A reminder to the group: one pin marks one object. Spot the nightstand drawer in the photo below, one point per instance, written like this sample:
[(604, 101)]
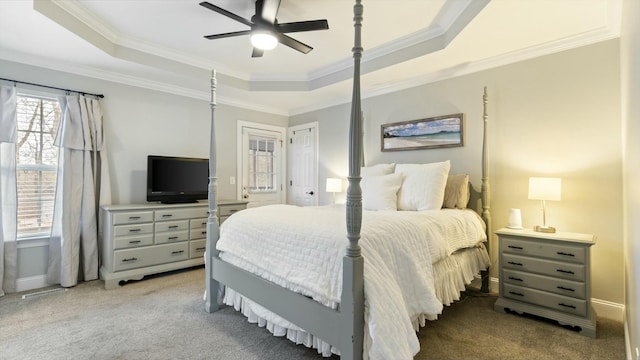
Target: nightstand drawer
[(558, 252), (552, 301), (569, 271), (546, 283)]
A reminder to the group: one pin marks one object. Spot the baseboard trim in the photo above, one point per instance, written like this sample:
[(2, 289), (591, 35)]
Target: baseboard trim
[(31, 282)]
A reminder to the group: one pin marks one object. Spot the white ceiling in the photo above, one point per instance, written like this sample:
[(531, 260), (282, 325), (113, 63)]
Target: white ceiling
[(159, 44)]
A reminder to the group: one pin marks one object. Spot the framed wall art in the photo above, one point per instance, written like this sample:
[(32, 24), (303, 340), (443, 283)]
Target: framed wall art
[(429, 133)]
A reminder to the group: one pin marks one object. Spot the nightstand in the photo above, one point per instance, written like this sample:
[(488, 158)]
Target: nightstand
[(547, 275)]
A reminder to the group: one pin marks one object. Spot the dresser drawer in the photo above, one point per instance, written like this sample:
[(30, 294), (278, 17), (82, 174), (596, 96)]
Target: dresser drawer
[(180, 214), (132, 217), (197, 248), (133, 241), (569, 271), (198, 234), (171, 236), (227, 210), (164, 226), (152, 255), (198, 223), (555, 285), (552, 301), (134, 229), (560, 252)]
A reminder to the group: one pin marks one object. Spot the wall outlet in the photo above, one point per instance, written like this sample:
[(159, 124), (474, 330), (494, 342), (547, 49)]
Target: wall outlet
[(232, 180)]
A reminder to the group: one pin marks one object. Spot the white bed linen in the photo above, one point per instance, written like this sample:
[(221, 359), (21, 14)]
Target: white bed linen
[(304, 253)]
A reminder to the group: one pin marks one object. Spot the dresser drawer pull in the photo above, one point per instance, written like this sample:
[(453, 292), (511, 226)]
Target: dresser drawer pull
[(517, 263), (565, 254), (135, 242), (135, 230), (173, 226), (565, 271), (566, 305), (515, 278), (134, 217), (130, 259), (516, 293), (167, 215), (177, 252), (204, 233), (201, 249), (204, 223), (175, 237), (515, 247), (565, 288), (233, 210)]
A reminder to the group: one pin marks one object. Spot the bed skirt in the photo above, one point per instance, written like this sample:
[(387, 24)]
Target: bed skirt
[(451, 274)]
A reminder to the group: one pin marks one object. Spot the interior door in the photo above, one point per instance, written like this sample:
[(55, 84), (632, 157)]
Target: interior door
[(303, 170), (261, 176)]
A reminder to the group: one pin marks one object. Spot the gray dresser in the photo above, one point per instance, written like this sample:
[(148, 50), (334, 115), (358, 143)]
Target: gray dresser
[(547, 275)]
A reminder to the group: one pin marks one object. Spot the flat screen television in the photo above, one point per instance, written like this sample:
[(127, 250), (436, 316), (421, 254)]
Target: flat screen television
[(177, 179)]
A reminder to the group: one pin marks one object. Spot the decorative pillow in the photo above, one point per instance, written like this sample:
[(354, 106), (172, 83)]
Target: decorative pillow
[(377, 170), (380, 192), (456, 193), (422, 186)]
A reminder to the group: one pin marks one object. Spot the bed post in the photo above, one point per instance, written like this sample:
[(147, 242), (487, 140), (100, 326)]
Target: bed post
[(486, 216), (211, 303), (352, 301)]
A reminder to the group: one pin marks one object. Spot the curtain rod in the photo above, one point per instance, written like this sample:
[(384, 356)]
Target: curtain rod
[(53, 87)]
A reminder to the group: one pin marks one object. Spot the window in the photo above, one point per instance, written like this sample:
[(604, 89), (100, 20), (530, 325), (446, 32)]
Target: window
[(36, 163), (262, 162)]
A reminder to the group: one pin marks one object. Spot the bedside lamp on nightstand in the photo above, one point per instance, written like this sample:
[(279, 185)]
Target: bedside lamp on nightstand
[(544, 188), (334, 185)]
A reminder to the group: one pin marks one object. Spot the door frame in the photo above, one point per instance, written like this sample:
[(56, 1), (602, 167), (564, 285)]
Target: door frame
[(240, 125), (290, 130)]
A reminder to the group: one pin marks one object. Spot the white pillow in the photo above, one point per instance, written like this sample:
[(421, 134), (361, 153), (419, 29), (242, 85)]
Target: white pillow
[(380, 192), (422, 186), (377, 170)]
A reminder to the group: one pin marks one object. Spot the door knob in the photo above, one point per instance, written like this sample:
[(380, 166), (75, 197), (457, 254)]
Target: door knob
[(246, 196)]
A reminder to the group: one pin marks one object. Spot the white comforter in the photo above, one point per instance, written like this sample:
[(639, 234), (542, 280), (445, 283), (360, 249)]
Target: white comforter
[(302, 249)]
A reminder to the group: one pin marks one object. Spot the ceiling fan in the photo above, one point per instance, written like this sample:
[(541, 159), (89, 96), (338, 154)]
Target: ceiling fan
[(265, 31)]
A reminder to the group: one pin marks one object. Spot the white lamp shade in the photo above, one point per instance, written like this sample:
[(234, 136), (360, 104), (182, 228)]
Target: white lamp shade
[(545, 188), (263, 40), (334, 185)]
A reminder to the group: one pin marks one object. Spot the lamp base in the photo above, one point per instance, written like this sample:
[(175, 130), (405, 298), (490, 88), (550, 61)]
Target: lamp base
[(544, 229)]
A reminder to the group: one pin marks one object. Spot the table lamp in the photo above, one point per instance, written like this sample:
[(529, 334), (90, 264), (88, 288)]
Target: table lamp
[(544, 188), (334, 185)]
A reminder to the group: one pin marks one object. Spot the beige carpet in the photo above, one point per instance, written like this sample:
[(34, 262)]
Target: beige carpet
[(162, 317)]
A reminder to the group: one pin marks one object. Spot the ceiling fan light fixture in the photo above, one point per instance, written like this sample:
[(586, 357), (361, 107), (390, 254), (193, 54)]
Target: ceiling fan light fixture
[(263, 40)]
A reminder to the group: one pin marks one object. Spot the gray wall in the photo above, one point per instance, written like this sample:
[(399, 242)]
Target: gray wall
[(630, 60), (557, 115)]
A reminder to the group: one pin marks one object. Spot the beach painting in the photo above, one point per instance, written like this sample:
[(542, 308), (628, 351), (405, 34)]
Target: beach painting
[(435, 132)]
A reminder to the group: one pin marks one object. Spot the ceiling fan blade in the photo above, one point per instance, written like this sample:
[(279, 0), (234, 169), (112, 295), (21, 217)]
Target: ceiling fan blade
[(224, 12), (293, 43), (257, 52), (229, 34), (299, 26), (268, 10)]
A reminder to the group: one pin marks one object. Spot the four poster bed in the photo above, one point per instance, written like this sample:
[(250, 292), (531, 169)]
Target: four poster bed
[(287, 268)]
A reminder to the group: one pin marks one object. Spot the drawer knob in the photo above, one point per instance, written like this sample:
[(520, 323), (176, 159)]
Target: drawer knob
[(567, 305), (134, 217), (130, 259), (565, 254), (135, 230), (172, 238), (516, 293), (565, 288), (515, 247), (167, 215), (517, 263), (515, 278), (134, 242), (173, 226), (177, 252), (565, 271), (201, 249)]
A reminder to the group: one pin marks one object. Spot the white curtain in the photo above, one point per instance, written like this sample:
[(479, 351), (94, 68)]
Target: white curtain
[(82, 187), (8, 190)]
